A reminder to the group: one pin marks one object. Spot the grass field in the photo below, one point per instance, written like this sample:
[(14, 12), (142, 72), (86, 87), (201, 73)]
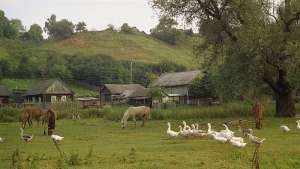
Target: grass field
[(98, 143)]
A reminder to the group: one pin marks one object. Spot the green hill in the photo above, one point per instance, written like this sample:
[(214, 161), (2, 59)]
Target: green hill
[(122, 46), (79, 90)]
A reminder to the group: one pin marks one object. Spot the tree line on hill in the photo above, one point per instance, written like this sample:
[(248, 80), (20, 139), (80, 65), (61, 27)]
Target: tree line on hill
[(25, 61), (165, 31)]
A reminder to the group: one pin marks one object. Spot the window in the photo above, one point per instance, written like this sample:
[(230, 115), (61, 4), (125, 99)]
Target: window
[(53, 99), (63, 98)]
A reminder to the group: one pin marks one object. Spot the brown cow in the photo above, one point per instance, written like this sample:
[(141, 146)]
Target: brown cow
[(30, 113), (258, 113)]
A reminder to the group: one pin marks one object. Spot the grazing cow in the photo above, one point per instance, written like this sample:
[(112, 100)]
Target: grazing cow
[(141, 111)]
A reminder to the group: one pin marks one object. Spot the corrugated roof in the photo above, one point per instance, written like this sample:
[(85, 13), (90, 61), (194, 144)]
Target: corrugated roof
[(177, 79), (121, 88), (4, 91), (50, 86)]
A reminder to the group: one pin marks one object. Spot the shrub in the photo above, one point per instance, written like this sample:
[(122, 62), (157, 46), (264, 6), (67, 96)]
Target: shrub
[(10, 114)]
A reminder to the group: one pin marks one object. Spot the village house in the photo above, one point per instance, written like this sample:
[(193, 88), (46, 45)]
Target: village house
[(176, 86), (123, 93), (140, 97), (5, 93), (48, 91), (86, 102)]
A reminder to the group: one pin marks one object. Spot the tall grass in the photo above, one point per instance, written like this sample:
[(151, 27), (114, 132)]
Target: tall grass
[(115, 113), (10, 114), (226, 110)]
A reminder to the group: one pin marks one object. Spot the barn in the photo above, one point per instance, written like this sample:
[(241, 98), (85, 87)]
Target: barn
[(5, 93), (176, 85), (48, 91), (120, 93)]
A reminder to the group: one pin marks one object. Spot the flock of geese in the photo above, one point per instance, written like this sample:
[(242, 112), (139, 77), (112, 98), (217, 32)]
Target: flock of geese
[(28, 138), (285, 128), (223, 136)]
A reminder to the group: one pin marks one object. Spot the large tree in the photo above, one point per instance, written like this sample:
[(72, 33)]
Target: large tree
[(58, 29), (8, 29), (255, 40), (80, 27), (35, 33), (166, 30)]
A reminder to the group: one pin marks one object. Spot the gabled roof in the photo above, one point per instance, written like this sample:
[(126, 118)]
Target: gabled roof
[(50, 86), (4, 91), (140, 93), (121, 88), (177, 79)]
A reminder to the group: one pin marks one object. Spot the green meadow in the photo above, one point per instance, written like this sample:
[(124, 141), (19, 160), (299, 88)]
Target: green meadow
[(99, 143)]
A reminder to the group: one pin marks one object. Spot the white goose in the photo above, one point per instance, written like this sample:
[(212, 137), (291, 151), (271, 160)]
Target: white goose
[(219, 138), (26, 138), (298, 124), (1, 140), (237, 143), (285, 128), (240, 139), (170, 132), (56, 138), (183, 132), (255, 140), (196, 132), (189, 130), (227, 133), (197, 128), (209, 130)]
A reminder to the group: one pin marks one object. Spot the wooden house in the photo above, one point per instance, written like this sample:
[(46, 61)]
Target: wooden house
[(177, 85), (48, 91), (119, 93), (86, 102), (140, 97), (5, 93)]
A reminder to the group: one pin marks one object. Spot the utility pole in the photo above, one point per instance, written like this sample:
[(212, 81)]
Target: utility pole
[(131, 74)]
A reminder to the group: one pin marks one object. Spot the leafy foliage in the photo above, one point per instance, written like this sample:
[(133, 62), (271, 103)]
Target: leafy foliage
[(58, 29), (35, 33), (80, 27), (241, 36)]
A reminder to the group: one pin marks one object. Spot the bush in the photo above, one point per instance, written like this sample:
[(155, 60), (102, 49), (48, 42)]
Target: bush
[(114, 113), (10, 114)]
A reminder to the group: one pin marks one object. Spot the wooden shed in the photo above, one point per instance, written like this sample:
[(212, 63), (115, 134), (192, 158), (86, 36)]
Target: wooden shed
[(140, 97), (176, 85), (86, 102), (5, 93), (48, 91), (117, 93)]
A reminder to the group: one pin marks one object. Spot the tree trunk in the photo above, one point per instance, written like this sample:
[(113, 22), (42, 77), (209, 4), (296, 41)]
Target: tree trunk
[(285, 106)]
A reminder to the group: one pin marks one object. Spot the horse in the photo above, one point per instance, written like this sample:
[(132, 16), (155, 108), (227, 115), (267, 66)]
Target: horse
[(141, 111), (30, 113)]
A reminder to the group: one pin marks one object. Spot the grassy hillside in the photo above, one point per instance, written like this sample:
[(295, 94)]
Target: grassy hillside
[(122, 46), (26, 83)]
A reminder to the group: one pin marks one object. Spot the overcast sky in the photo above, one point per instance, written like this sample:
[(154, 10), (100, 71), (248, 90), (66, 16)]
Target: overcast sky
[(97, 14)]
